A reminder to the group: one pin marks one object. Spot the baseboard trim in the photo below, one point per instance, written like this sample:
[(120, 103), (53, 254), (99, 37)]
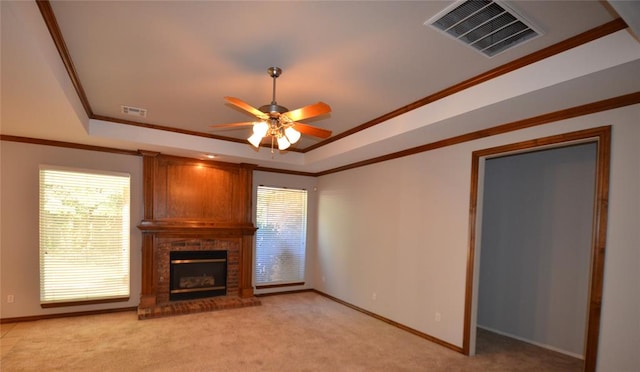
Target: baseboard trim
[(65, 315), (393, 323), (283, 292), (544, 346)]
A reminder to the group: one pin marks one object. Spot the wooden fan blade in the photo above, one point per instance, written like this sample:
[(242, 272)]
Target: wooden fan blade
[(308, 111), (231, 125), (312, 131), (246, 107)]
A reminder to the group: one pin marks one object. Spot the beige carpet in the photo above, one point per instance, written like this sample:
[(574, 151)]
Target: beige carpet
[(293, 332)]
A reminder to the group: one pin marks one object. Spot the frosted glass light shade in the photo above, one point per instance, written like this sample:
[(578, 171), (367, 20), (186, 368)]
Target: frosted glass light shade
[(260, 129), (283, 143), (292, 134), (255, 140)]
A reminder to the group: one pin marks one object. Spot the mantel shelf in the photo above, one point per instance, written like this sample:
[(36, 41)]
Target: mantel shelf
[(195, 227)]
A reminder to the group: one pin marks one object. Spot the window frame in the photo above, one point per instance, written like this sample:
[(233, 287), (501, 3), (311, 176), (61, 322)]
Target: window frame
[(124, 240), (303, 261)]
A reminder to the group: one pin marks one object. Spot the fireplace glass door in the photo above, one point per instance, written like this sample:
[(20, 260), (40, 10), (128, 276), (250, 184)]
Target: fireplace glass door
[(197, 274)]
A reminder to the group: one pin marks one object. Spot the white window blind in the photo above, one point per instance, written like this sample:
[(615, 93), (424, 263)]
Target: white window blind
[(281, 216), (84, 235)]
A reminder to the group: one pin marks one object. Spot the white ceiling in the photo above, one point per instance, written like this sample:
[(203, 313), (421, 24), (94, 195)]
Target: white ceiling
[(178, 59)]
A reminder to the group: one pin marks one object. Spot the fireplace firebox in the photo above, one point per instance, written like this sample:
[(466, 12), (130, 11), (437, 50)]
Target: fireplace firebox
[(197, 274)]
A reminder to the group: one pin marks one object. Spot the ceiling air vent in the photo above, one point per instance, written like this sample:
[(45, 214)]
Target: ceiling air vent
[(134, 111), (490, 27)]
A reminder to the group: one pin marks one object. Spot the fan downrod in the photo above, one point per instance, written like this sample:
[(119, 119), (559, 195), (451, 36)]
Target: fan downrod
[(274, 109)]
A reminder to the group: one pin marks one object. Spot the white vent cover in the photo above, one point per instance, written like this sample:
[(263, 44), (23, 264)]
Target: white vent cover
[(490, 27), (134, 111)]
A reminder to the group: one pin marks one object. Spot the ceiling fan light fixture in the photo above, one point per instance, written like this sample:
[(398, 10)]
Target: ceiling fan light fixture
[(260, 128), (278, 122), (292, 135), (283, 143), (255, 140)]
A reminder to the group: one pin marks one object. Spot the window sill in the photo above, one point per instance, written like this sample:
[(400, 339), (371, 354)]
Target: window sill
[(269, 286), (47, 305)]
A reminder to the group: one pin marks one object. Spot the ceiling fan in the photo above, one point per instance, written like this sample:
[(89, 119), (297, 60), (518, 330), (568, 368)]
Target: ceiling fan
[(277, 122)]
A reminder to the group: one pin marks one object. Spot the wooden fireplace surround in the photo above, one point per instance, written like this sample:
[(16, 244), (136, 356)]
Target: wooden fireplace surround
[(194, 203)]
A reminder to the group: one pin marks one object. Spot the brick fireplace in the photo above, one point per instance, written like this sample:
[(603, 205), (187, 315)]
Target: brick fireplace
[(157, 302), (195, 206)]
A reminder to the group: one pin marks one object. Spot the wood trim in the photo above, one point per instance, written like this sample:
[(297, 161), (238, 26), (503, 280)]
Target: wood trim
[(65, 315), (468, 289), (149, 165), (85, 302), (182, 131), (269, 286), (147, 282), (166, 129), (601, 215), (600, 135), (590, 108), (71, 145), (246, 268), (52, 24), (285, 171), (246, 178), (583, 38), (391, 322), (581, 136), (56, 35), (284, 292)]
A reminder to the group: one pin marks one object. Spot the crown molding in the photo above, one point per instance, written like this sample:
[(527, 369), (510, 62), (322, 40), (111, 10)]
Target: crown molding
[(608, 28), (572, 112)]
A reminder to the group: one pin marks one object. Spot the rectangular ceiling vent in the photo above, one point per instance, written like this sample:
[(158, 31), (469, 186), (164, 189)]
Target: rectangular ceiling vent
[(490, 27), (134, 111)]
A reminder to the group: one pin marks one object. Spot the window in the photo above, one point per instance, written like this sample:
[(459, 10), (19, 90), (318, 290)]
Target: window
[(281, 217), (84, 236)]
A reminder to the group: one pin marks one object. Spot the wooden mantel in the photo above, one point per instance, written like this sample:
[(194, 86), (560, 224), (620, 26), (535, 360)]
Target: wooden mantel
[(189, 200), (195, 228)]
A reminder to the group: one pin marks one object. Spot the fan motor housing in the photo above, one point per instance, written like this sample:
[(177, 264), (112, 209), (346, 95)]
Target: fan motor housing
[(273, 108)]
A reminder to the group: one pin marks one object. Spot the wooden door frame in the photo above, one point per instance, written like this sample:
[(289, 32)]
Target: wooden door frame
[(602, 137)]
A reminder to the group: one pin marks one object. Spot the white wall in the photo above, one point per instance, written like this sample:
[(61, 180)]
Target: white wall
[(400, 229), (292, 182), (19, 266), (620, 327), (537, 222)]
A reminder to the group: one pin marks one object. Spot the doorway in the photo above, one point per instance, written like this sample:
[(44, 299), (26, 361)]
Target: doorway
[(600, 137)]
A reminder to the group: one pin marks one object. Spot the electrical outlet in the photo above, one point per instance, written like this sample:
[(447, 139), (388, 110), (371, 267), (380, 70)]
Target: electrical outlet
[(374, 296), (437, 317), (10, 299)]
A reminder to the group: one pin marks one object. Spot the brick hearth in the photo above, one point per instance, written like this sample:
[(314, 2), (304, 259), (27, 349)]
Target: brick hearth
[(196, 306)]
